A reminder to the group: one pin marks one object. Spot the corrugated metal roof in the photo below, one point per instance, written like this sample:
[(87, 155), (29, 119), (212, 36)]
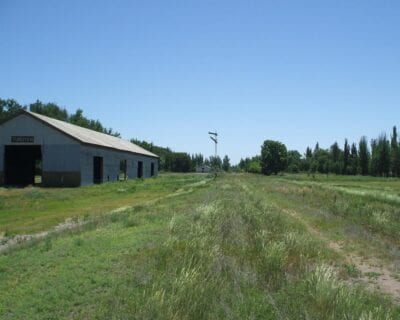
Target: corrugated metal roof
[(92, 137)]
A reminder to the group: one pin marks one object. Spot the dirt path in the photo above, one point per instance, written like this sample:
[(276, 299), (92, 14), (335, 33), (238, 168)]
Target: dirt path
[(373, 274)]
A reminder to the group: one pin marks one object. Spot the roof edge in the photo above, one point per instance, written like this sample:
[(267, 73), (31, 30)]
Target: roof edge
[(33, 115)]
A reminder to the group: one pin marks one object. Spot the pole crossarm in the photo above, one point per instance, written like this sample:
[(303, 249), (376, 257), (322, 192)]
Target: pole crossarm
[(214, 137)]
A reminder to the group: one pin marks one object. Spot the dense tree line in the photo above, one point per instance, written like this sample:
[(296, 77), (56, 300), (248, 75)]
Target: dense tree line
[(10, 107), (182, 161), (379, 157)]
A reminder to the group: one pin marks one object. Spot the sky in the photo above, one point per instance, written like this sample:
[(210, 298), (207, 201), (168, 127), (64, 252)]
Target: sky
[(169, 71)]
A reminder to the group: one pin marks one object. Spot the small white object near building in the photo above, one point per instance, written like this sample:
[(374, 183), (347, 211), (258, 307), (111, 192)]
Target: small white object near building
[(203, 169)]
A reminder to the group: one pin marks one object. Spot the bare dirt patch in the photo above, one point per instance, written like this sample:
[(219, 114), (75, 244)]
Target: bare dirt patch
[(7, 243)]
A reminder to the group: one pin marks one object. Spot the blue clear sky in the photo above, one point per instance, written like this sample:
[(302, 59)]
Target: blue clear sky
[(169, 71)]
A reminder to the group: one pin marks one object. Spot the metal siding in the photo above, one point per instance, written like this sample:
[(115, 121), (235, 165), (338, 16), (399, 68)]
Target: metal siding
[(24, 125), (61, 153), (86, 166), (61, 157), (1, 158), (111, 161)]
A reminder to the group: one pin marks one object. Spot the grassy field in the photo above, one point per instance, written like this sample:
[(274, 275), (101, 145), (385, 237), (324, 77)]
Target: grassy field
[(35, 209), (191, 247)]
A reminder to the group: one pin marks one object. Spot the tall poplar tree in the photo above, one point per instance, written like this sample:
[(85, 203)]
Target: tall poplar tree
[(380, 158), (395, 154), (353, 160), (363, 156), (226, 165), (307, 160), (335, 155), (346, 157)]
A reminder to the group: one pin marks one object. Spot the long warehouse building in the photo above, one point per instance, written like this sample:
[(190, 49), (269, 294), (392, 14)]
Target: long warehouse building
[(65, 155)]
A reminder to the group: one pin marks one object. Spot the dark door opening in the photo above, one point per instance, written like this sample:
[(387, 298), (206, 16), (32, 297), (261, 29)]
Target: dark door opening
[(140, 169), (21, 165), (122, 170), (152, 169), (97, 169)]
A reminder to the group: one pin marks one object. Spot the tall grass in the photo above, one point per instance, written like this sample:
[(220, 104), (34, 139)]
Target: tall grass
[(234, 256), (220, 252), (371, 204)]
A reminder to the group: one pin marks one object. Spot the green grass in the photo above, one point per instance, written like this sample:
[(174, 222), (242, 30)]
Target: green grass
[(32, 209), (358, 210), (227, 249)]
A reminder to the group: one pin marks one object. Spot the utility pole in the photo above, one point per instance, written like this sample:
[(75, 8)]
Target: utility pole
[(214, 137)]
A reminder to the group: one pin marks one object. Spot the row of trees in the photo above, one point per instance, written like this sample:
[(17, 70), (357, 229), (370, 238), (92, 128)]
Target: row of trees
[(10, 107), (379, 157), (182, 161)]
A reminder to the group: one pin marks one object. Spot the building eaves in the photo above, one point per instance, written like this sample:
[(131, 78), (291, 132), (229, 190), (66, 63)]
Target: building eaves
[(91, 137)]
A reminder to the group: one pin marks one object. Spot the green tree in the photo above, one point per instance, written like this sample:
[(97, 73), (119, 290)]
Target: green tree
[(243, 164), (316, 148), (80, 120), (335, 159), (216, 162), (321, 161), (306, 162), (273, 157), (353, 160), (197, 159), (226, 163), (363, 156), (384, 155), (51, 110), (9, 108), (294, 161), (346, 157), (380, 156), (395, 154), (254, 167), (179, 162)]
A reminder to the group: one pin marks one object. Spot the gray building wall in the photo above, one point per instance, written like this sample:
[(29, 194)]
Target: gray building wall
[(203, 169), (111, 164), (65, 161), (60, 153)]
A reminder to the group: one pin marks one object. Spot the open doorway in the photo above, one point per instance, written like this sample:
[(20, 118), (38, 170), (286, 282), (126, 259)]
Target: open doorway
[(97, 169), (122, 170), (152, 169), (38, 171), (140, 169), (22, 165)]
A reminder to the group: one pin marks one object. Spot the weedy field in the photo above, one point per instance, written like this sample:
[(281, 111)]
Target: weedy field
[(36, 209), (194, 247)]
